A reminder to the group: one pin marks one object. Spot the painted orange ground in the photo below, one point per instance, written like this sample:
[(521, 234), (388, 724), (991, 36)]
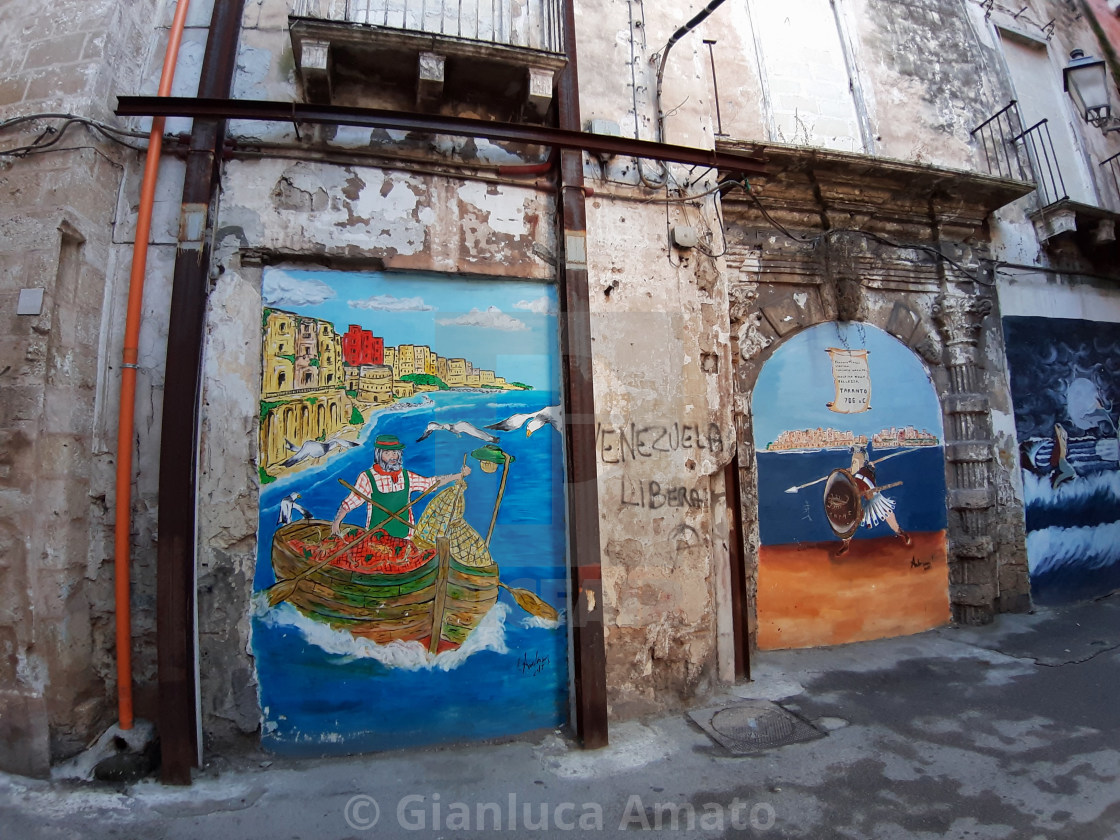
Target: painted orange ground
[(807, 597)]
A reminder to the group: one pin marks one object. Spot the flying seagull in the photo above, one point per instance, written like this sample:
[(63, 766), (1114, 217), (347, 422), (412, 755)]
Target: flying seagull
[(314, 449), (461, 428), (552, 416)]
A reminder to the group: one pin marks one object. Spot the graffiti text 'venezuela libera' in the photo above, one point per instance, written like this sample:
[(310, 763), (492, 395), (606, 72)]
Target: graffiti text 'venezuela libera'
[(618, 444)]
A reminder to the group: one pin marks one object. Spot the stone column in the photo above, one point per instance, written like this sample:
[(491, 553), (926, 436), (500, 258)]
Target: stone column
[(969, 449)]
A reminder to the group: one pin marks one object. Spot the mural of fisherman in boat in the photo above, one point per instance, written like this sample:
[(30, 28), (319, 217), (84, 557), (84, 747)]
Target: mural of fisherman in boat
[(843, 413), (386, 487), (434, 616)]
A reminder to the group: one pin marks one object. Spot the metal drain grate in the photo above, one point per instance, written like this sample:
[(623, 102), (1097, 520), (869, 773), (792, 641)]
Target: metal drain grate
[(753, 726)]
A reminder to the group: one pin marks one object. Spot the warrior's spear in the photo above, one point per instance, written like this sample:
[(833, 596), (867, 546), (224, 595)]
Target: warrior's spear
[(876, 461)]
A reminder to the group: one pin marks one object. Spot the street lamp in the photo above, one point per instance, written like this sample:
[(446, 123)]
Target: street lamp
[(1086, 82)]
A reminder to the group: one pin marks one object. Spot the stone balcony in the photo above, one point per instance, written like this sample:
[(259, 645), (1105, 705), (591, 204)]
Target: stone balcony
[(497, 56)]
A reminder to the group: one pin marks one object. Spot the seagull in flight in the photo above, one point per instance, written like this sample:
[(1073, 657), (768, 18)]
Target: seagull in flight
[(314, 449), (460, 428), (551, 416)]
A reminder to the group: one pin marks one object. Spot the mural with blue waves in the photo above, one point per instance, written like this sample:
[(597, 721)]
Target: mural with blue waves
[(1065, 383)]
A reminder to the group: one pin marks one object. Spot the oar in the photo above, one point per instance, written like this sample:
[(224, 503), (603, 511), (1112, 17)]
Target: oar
[(531, 603), (498, 501), (825, 478), (397, 516), (284, 589)]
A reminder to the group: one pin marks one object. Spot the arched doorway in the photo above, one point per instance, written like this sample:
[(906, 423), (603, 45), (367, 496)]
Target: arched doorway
[(851, 490)]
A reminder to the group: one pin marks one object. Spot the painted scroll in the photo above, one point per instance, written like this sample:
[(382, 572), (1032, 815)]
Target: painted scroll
[(852, 378)]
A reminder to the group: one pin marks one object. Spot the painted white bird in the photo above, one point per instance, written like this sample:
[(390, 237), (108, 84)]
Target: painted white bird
[(314, 449), (460, 428), (288, 506), (551, 416)]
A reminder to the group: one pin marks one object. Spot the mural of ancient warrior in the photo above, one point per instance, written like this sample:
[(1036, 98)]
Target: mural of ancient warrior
[(386, 489), (877, 507)]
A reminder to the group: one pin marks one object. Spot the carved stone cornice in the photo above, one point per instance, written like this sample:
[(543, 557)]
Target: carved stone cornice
[(808, 188)]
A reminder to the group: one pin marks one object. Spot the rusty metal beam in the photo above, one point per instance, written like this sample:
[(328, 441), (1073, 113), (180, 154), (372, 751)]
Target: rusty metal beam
[(589, 656), (176, 586), (563, 138)]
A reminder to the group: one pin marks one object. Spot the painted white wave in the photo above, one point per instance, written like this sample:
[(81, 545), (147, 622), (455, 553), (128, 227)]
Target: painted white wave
[(1038, 492), (409, 656), (537, 622), (1085, 548), (410, 403)]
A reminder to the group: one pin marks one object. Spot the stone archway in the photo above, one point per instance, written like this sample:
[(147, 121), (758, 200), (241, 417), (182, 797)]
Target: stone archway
[(829, 236)]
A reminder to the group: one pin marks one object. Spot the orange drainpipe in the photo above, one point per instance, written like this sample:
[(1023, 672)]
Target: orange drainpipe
[(125, 420)]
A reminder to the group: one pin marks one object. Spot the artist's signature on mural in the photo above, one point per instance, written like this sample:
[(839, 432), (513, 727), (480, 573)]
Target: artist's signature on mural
[(924, 565), (532, 665)]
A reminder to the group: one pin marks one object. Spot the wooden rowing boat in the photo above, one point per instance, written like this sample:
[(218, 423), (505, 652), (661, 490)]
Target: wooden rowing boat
[(437, 604)]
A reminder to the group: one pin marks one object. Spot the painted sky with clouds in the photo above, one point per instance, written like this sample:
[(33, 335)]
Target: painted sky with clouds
[(509, 326), (796, 384)]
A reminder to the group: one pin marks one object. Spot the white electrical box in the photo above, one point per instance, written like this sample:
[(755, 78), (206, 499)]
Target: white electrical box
[(608, 127), (684, 236)]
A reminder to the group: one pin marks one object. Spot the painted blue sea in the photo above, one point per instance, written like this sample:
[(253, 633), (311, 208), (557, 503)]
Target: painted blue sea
[(1073, 536), (786, 518), (324, 692)]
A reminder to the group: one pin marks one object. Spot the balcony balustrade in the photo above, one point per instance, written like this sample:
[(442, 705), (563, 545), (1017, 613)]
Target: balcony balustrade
[(501, 52)]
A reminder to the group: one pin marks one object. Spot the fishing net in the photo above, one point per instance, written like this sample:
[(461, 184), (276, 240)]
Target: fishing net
[(444, 517)]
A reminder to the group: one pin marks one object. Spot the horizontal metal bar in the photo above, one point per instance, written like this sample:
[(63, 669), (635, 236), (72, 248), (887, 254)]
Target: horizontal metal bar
[(295, 112), (1027, 131), (995, 116), (1110, 159)]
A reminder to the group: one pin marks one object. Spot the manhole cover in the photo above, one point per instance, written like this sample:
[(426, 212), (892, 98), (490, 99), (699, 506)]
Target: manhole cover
[(756, 725)]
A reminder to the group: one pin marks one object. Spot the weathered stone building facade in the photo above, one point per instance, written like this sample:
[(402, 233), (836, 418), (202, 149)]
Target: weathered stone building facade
[(881, 203)]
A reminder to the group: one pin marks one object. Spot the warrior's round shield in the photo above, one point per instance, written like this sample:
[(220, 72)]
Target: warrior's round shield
[(842, 505)]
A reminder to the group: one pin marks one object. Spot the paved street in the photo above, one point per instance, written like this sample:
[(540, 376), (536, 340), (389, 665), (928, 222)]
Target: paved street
[(1006, 731)]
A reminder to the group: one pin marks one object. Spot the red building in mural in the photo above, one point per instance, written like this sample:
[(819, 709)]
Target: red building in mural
[(362, 347)]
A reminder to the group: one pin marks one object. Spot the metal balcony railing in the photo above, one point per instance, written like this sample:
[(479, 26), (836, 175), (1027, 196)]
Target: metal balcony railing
[(530, 24), (1040, 151), (1003, 157), (1011, 151)]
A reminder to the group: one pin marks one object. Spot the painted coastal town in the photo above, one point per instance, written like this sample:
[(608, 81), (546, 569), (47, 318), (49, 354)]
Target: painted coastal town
[(812, 440), (320, 386)]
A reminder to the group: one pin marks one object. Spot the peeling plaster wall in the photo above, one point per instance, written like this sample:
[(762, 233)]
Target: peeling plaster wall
[(933, 79), (663, 388), (228, 486), (664, 434), (393, 219)]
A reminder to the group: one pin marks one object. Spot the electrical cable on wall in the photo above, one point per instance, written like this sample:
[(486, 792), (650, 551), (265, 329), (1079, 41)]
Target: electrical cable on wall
[(41, 143)]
